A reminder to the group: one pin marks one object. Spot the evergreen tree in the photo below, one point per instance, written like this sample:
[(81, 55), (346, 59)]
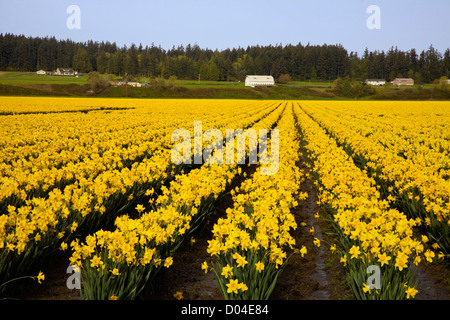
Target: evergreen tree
[(325, 62)]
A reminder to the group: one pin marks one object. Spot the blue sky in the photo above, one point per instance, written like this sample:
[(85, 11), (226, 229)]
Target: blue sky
[(225, 24)]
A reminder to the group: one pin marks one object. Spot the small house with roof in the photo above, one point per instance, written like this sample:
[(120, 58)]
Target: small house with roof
[(65, 72)]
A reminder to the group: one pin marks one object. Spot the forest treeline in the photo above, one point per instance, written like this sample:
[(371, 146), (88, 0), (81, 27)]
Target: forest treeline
[(300, 62)]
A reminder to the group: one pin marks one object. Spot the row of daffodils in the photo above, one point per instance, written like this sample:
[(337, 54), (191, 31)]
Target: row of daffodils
[(65, 172), (97, 178), (372, 235), (407, 153), (250, 242), (123, 262)]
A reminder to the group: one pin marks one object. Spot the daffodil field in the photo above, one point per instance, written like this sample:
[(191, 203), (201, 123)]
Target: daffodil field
[(94, 178)]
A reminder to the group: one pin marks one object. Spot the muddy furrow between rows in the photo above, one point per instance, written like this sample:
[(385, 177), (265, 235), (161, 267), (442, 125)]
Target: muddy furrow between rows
[(318, 275)]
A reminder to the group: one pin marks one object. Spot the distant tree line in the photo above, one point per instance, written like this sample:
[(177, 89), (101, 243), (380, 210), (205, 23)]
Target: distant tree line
[(299, 62)]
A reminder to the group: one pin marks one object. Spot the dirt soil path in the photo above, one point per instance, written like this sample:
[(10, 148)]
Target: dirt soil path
[(318, 275)]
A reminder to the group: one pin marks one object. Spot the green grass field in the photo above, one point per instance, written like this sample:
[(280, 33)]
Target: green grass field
[(9, 77), (311, 83), (29, 83), (17, 78), (209, 84)]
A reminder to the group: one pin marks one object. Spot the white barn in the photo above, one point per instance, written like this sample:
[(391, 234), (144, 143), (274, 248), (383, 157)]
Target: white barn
[(259, 81)]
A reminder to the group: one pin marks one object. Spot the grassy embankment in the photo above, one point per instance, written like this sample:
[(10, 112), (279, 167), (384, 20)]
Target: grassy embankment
[(31, 84)]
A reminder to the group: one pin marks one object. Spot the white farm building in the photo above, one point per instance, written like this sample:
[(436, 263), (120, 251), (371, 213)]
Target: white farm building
[(259, 81)]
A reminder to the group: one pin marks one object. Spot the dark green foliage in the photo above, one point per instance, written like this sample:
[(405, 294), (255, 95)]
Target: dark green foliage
[(310, 62), (346, 87)]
